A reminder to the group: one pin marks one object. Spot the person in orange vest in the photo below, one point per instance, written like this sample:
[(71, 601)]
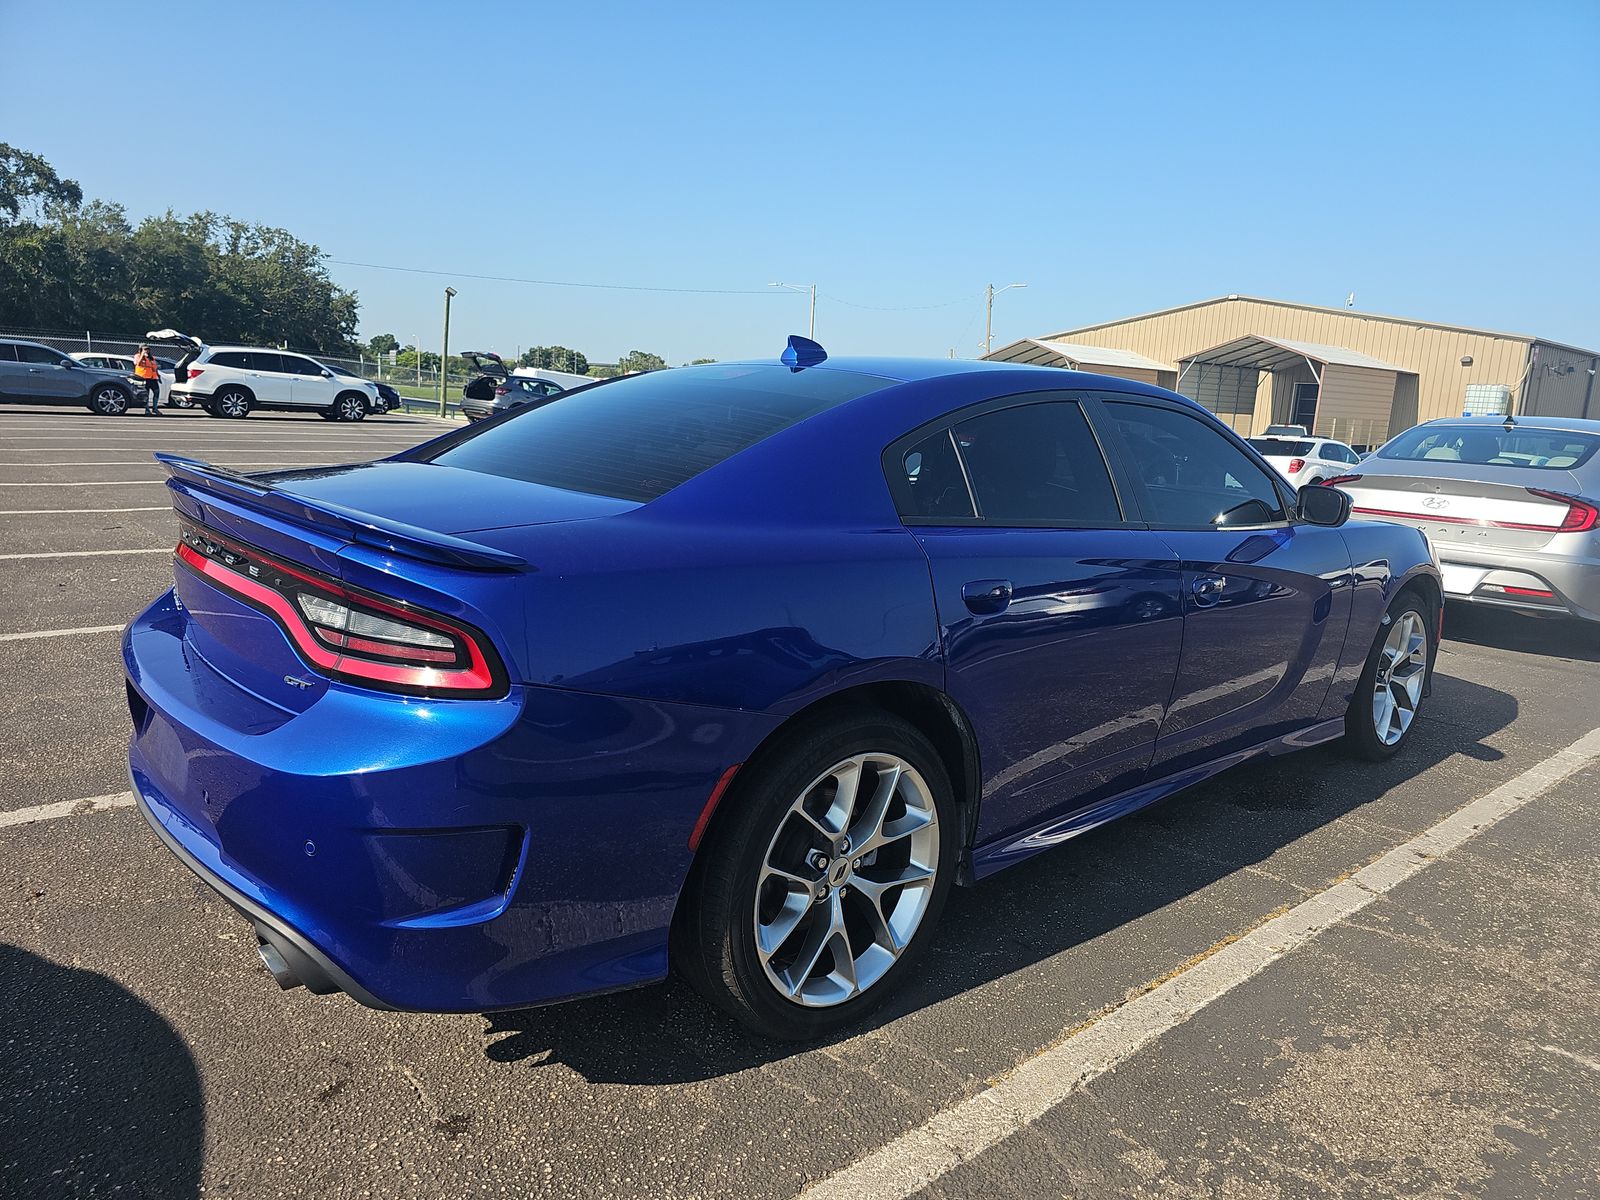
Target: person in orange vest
[(148, 374)]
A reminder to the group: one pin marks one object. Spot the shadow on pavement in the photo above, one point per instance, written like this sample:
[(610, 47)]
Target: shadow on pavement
[(1498, 629), (1048, 904), (98, 1094)]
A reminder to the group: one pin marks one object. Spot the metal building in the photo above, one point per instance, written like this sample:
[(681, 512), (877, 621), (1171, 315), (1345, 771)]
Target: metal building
[(1355, 376)]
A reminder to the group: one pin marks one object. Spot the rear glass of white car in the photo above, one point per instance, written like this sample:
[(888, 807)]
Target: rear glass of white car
[(1495, 446), (638, 438), (1280, 446)]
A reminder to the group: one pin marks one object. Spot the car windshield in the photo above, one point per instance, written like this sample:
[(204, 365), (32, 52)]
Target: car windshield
[(1279, 446), (640, 437), (1494, 445)]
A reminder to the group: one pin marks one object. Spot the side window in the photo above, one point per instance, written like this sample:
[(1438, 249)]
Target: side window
[(269, 362), (301, 366), (40, 354), (1038, 464), (1193, 476), (230, 358), (927, 481), (8, 352)]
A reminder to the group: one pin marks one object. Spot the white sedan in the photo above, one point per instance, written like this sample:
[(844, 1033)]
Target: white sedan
[(1306, 460)]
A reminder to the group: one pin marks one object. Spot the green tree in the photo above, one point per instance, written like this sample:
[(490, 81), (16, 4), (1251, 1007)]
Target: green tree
[(640, 360), (603, 371), (29, 183), (554, 358), (380, 344), (700, 362)]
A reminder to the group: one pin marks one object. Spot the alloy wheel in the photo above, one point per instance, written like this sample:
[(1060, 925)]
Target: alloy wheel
[(1402, 669), (110, 402), (233, 404), (352, 408), (846, 880)]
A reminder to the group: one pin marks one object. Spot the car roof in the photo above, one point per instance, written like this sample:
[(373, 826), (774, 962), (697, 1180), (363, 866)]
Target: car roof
[(921, 370), (1564, 424)]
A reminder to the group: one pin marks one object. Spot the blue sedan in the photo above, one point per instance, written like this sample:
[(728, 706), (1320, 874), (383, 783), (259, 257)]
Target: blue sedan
[(736, 670)]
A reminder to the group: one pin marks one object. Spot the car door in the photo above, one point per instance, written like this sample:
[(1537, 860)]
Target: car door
[(1265, 598), (1060, 620), (310, 385), (44, 374), (12, 374), (265, 376)]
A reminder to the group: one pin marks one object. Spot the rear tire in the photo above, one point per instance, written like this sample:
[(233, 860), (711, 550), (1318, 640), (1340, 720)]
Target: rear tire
[(1389, 694), (233, 403), (788, 926)]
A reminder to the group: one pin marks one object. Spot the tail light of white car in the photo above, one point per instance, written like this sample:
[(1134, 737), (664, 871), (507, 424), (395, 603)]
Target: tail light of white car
[(1296, 465)]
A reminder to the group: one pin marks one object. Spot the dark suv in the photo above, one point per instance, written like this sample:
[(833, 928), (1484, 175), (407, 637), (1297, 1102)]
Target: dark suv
[(33, 373)]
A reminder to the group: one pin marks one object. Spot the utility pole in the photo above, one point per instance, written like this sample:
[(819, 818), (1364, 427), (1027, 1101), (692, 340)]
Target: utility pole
[(444, 354), (811, 329), (988, 313)]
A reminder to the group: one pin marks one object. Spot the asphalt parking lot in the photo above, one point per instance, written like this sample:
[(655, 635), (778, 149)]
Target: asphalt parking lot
[(1091, 1023)]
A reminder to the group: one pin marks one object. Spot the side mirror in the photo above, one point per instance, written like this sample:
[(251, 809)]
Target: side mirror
[(1318, 505)]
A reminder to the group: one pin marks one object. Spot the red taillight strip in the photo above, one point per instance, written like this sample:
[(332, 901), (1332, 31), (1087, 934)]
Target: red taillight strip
[(1472, 522), (478, 676), (1581, 514)]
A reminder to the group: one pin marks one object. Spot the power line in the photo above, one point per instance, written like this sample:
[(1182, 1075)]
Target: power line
[(609, 287), (899, 307)]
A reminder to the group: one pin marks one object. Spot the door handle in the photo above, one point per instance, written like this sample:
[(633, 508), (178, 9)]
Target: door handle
[(1207, 589), (984, 596)]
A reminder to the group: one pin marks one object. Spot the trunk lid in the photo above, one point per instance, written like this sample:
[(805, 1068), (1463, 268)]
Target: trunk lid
[(1464, 504)]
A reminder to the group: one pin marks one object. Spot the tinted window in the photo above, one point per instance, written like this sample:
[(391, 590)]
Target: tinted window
[(927, 481), (642, 436), (300, 366), (1193, 476), (1037, 463), (1282, 447), (39, 354), (8, 352), (1494, 445), (247, 360)]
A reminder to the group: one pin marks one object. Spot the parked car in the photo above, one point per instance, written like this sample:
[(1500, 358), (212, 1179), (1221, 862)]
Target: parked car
[(1287, 431), (378, 404), (234, 381), (33, 373), (697, 668), (1511, 505), (123, 363), (1306, 460), (388, 398), (497, 389)]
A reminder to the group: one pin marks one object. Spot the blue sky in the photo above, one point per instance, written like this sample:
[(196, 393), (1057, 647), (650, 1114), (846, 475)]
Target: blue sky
[(1439, 160)]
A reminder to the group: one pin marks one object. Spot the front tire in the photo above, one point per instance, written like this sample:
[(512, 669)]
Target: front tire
[(350, 406), (1389, 694), (823, 880), (108, 400), (231, 402)]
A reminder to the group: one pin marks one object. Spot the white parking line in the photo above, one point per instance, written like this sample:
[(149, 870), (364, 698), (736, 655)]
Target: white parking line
[(916, 1159), (84, 553), (65, 808), (50, 512), (53, 633), (57, 483), (145, 462)]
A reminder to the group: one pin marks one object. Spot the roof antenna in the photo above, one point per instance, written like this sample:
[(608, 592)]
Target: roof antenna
[(802, 352)]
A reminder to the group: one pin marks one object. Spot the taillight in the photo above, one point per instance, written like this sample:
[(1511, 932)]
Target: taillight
[(346, 633), (1581, 515), (1296, 465), (502, 390), (194, 372), (1340, 479)]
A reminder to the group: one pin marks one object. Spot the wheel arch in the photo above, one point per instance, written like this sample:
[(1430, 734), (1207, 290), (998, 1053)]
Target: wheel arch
[(243, 387)]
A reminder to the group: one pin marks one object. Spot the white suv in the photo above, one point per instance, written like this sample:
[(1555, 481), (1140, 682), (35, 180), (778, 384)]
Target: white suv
[(233, 381), (1306, 460)]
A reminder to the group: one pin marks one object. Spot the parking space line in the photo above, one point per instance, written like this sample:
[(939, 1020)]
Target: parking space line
[(917, 1158), (53, 512), (144, 462), (83, 553), (65, 808), (54, 633), (93, 483)]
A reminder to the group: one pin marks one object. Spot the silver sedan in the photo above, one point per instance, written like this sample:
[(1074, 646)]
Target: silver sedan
[(1509, 505)]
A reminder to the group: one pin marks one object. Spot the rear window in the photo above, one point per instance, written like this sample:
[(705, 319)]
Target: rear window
[(638, 438), (1494, 445), (1280, 446)]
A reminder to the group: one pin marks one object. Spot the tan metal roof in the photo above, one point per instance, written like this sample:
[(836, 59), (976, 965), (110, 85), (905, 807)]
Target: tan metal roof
[(1048, 353), (1268, 354), (1323, 308)]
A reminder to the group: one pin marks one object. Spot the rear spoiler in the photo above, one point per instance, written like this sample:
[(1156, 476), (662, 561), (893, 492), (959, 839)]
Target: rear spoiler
[(365, 529)]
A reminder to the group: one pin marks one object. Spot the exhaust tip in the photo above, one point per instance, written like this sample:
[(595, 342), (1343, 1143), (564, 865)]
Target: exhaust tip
[(275, 964)]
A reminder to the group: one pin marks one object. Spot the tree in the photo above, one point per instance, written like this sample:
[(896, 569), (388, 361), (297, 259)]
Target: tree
[(380, 344), (554, 358), (28, 182), (603, 371), (700, 362), (640, 360)]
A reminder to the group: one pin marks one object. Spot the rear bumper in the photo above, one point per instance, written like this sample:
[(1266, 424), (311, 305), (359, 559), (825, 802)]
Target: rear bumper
[(1473, 573), (447, 856)]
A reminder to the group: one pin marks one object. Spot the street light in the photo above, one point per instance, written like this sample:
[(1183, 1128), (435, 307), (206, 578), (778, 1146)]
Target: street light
[(444, 354), (811, 331), (988, 317)]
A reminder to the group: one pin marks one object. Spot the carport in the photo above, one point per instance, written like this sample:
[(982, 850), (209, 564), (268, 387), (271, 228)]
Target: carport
[(1073, 356), (1255, 381)]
